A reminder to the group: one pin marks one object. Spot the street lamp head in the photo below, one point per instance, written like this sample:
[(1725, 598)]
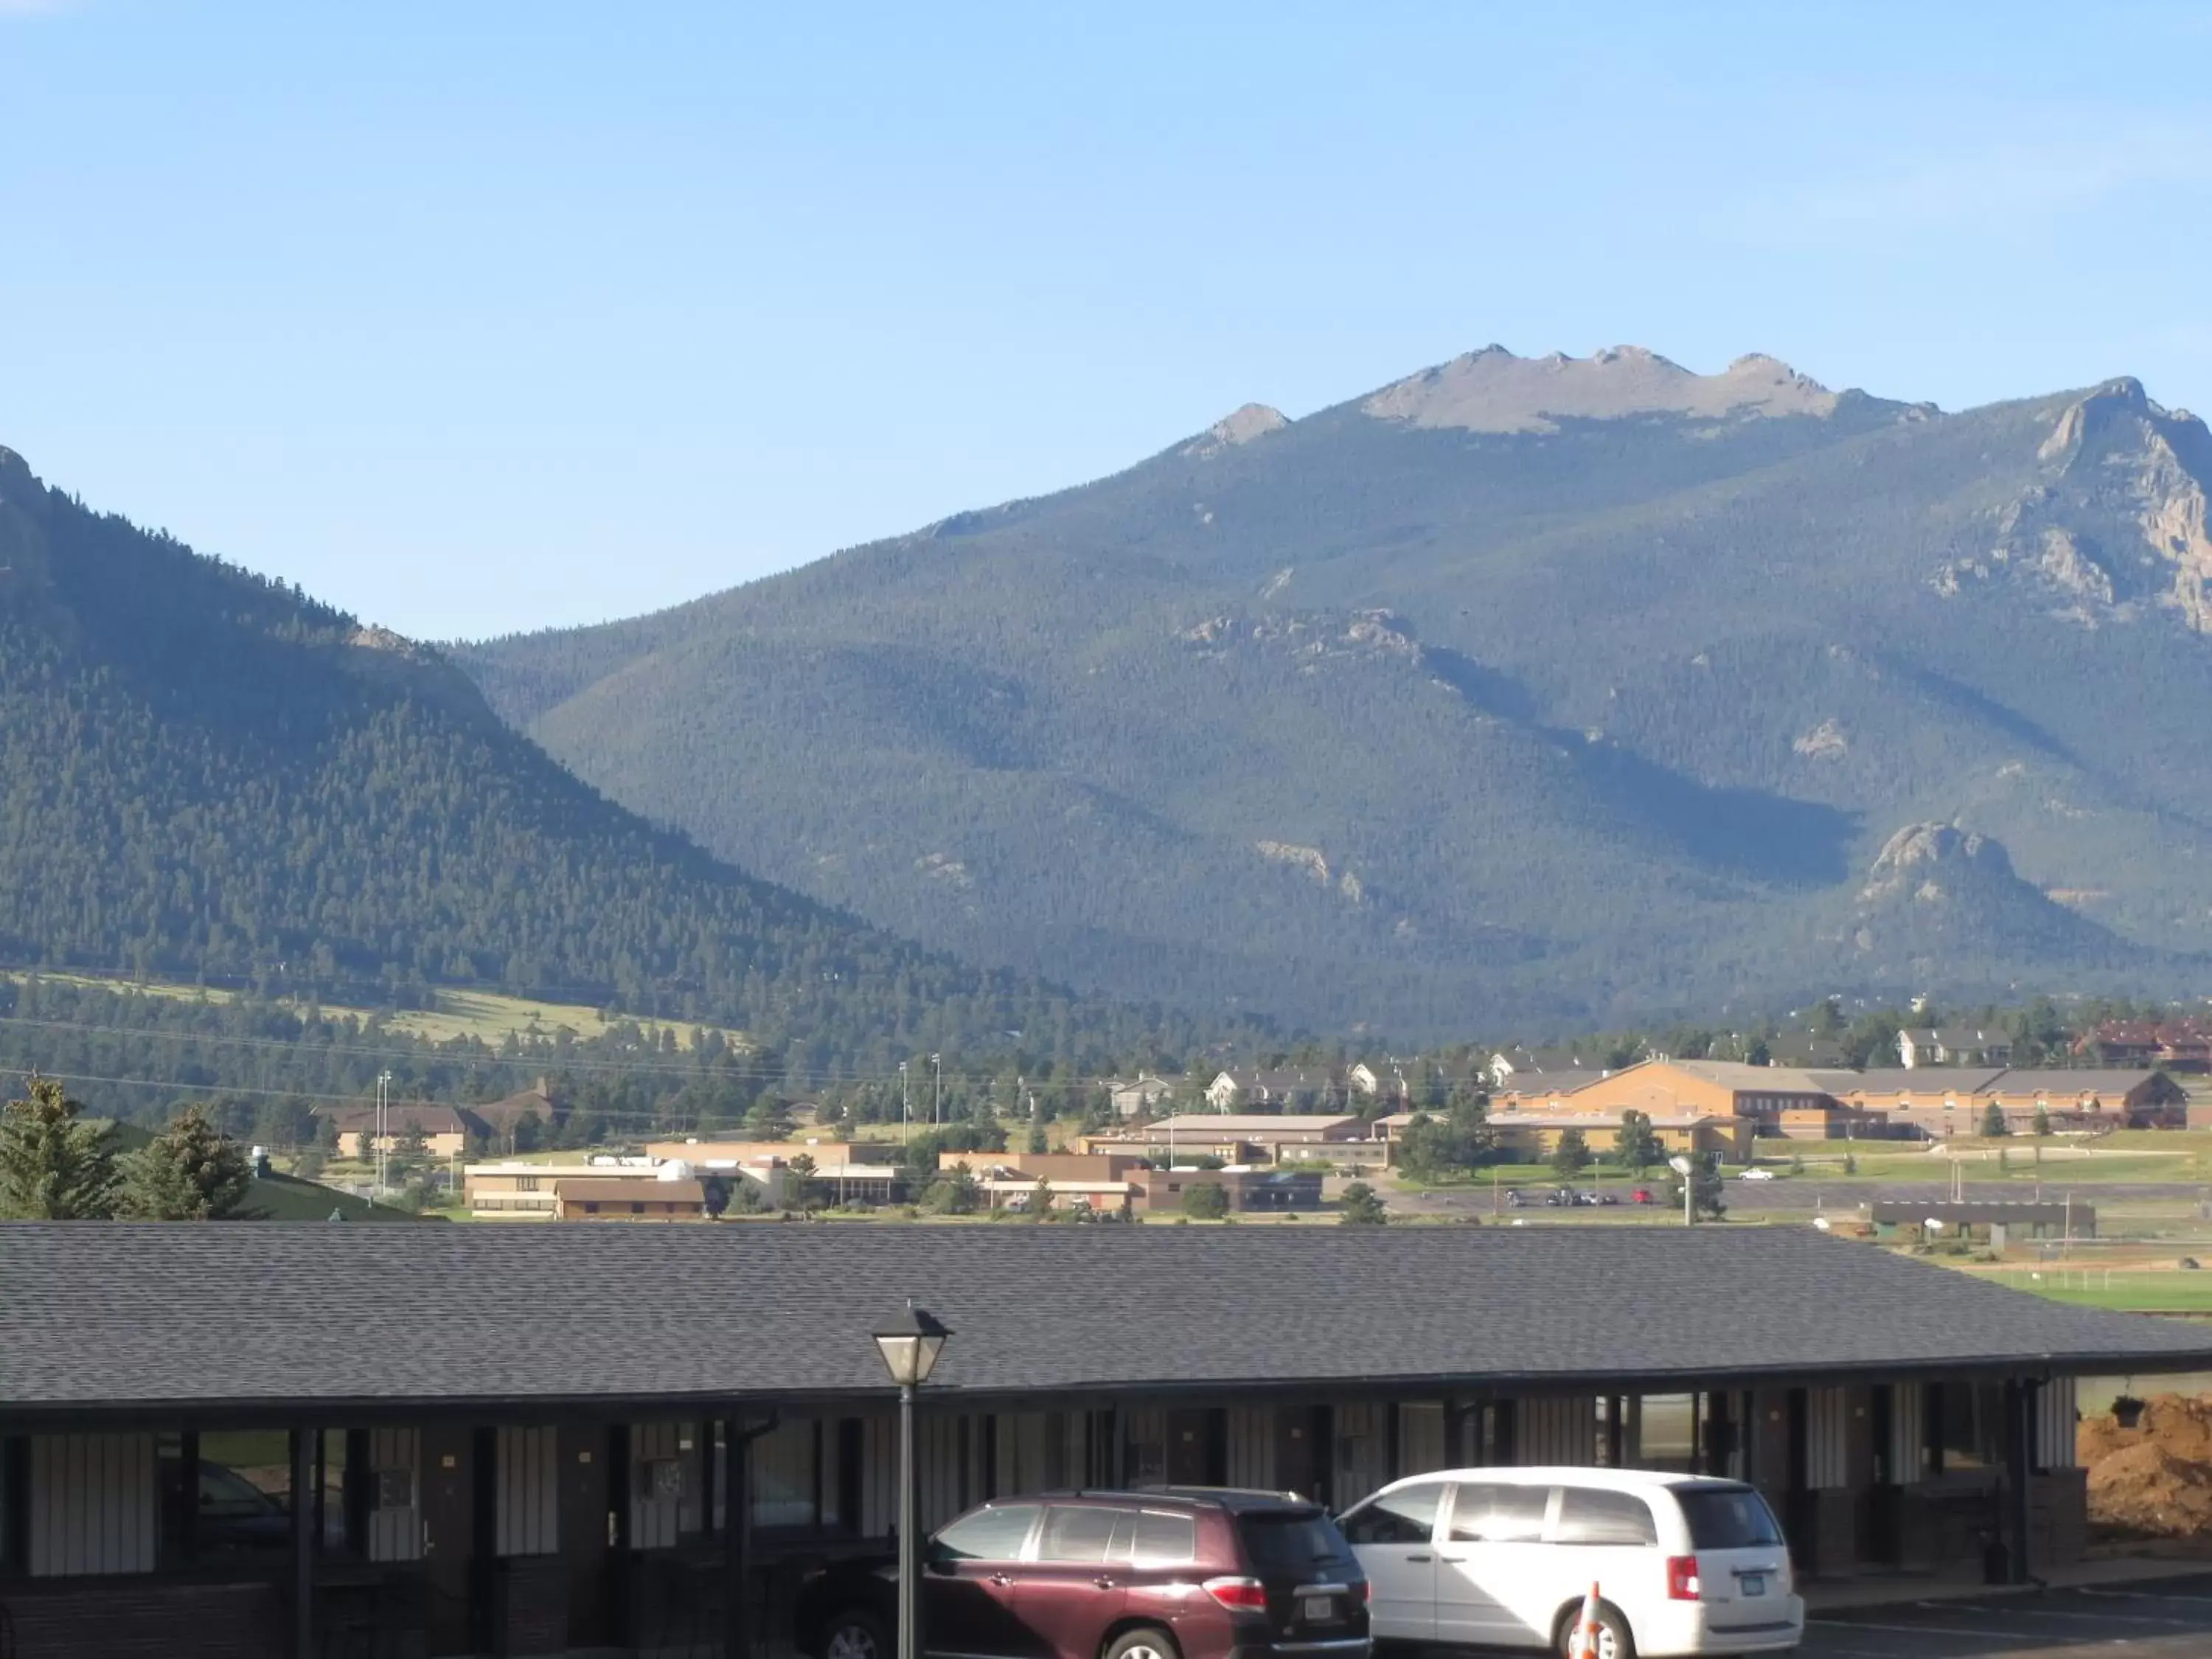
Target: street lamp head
[(1679, 1165), (910, 1344)]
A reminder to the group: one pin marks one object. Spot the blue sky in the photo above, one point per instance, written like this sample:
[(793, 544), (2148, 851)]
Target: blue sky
[(481, 317)]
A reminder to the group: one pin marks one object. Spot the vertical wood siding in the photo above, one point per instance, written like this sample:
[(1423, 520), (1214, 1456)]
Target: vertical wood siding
[(1421, 1438), (1908, 1433), (395, 1533), (2055, 1406), (1827, 1445), (529, 1508), (879, 1478), (1252, 1447), (94, 1504), (656, 1519), (1562, 1431), (1363, 1451)]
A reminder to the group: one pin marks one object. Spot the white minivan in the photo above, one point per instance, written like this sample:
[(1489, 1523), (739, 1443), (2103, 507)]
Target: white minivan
[(1502, 1557)]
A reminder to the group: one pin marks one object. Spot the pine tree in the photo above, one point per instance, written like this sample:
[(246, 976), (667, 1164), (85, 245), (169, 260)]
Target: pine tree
[(53, 1168), (190, 1172), (1363, 1206)]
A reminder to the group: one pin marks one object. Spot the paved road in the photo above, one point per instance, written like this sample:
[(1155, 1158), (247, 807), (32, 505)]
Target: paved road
[(1802, 1195), (2167, 1619)]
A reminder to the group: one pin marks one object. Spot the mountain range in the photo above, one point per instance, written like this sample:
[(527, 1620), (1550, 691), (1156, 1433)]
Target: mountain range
[(1519, 693), (204, 773)]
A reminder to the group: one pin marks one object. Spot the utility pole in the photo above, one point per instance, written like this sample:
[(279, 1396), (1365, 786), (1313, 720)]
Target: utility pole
[(937, 1101), (906, 1106), (383, 1128)]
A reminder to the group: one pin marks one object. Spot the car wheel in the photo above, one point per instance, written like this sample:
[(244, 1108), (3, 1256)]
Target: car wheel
[(1614, 1641), (855, 1633), (1148, 1642)]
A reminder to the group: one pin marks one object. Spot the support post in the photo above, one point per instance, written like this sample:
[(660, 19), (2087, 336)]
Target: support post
[(2020, 1470), (909, 1528), (737, 1540), (303, 1543)]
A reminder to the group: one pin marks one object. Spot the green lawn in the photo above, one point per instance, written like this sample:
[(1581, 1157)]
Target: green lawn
[(2138, 1292), (287, 1198)]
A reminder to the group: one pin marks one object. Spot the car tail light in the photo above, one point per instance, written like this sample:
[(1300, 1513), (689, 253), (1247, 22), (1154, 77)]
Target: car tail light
[(1238, 1595), (1682, 1578)]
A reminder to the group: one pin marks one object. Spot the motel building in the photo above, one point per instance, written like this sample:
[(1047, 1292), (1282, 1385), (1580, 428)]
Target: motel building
[(276, 1439)]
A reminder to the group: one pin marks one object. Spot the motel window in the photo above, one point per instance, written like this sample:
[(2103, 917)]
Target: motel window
[(591, 1207), (1667, 1436), (798, 1477), (526, 1183), (223, 1495), (14, 1501), (637, 1209), (1966, 1426)]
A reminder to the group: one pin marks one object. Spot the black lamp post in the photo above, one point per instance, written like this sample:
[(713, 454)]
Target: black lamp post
[(910, 1344)]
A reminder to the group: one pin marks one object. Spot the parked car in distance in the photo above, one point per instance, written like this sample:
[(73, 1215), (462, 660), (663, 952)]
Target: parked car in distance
[(1755, 1173), (1502, 1557), (1165, 1573), (1642, 1195)]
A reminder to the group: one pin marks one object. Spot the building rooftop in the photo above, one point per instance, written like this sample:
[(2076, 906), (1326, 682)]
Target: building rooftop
[(149, 1317), (1229, 1123), (629, 1189)]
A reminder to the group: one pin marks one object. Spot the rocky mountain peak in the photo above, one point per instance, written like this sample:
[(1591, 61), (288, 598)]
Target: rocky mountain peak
[(1240, 426), (1922, 848), (2119, 527), (1493, 391)]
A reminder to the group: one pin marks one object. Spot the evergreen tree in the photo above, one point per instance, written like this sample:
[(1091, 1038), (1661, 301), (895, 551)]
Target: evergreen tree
[(1637, 1147), (1571, 1156), (189, 1172), (1205, 1201), (53, 1167), (1363, 1206), (1993, 1121)]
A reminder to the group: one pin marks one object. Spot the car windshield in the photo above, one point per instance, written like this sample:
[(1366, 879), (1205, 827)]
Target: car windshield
[(1291, 1541), (1728, 1518)]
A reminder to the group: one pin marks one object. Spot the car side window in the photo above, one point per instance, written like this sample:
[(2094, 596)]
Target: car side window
[(1164, 1541), (1408, 1515), (1073, 1533), (1589, 1515), (1499, 1514), (992, 1535)]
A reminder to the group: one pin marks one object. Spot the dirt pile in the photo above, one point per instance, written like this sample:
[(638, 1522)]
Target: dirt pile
[(2156, 1478)]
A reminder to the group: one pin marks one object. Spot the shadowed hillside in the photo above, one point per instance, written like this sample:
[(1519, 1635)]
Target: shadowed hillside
[(1521, 690)]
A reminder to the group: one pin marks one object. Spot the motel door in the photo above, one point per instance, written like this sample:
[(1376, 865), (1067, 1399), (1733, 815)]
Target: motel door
[(586, 1532), (451, 1549)]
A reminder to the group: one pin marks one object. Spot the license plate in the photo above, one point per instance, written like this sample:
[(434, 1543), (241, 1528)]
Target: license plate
[(1320, 1609), (1752, 1584)]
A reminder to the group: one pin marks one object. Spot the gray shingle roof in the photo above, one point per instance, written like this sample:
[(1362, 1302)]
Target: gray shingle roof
[(95, 1314)]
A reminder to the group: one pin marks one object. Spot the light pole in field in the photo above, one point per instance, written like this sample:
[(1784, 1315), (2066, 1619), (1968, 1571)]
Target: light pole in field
[(1682, 1165), (906, 1105), (383, 1129), (937, 1097), (909, 1345)]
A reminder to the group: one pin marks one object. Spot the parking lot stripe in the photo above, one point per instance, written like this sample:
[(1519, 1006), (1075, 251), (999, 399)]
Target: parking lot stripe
[(2101, 1618), (1913, 1630), (2141, 1596)]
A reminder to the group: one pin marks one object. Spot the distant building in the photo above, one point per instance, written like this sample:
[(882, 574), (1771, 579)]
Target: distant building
[(1156, 1192), (630, 1198), (445, 1134), (1282, 1089), (1953, 1045), (1135, 1097)]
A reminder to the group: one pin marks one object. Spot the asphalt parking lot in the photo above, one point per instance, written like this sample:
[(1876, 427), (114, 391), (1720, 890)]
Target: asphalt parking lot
[(2165, 1619)]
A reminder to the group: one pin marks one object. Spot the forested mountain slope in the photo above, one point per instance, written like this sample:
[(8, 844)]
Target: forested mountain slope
[(1521, 691), (202, 772)]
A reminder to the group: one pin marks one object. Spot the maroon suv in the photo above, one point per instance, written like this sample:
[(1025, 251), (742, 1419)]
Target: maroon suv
[(1176, 1573)]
